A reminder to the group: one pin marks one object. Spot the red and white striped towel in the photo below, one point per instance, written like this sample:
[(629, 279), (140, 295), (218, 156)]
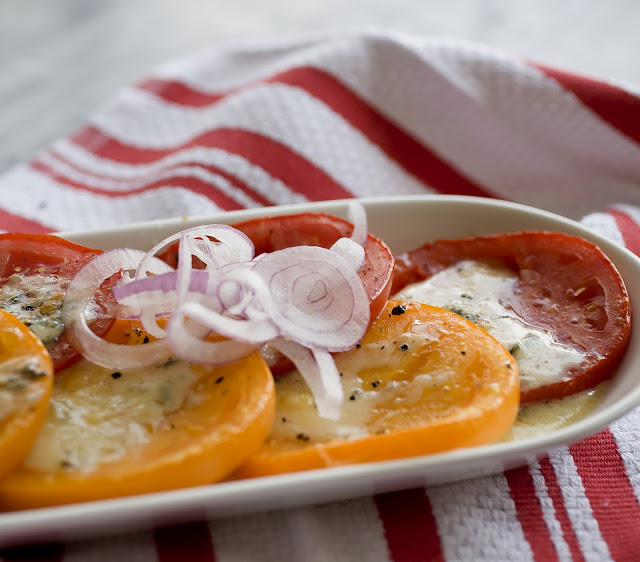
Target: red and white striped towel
[(367, 114)]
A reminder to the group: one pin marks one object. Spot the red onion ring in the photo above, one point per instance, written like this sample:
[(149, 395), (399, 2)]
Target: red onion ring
[(319, 298), (196, 349), (78, 297), (352, 252), (304, 301), (319, 372), (232, 246)]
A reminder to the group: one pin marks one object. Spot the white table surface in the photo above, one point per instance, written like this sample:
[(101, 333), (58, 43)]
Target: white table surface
[(60, 59)]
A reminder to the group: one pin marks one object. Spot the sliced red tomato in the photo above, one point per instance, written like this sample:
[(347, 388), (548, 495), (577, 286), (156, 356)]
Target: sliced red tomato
[(269, 234), (565, 285), (34, 272)]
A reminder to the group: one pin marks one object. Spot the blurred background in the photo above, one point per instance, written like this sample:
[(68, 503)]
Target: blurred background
[(61, 59)]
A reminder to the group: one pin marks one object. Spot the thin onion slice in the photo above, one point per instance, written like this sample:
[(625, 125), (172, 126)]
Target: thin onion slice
[(319, 371), (358, 217), (231, 246), (248, 295), (304, 301), (78, 297), (149, 318), (158, 289), (240, 329), (320, 300), (194, 348), (352, 252)]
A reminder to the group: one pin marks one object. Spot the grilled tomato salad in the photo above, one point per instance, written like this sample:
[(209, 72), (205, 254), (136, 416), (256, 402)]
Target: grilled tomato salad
[(287, 343)]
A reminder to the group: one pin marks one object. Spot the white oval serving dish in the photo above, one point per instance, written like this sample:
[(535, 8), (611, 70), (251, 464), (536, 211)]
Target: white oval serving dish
[(404, 223)]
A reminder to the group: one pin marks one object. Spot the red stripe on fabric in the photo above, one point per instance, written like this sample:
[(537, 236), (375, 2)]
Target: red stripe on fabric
[(555, 493), (529, 510), (231, 178), (53, 552), (241, 185), (414, 157), (610, 493), (234, 181), (275, 158), (179, 543), (629, 229), (192, 184), (407, 152), (11, 222), (409, 526), (103, 176), (620, 108), (178, 93)]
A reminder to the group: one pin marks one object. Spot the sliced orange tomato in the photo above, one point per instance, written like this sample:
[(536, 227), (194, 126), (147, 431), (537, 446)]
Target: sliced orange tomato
[(26, 380), (423, 380), (117, 433)]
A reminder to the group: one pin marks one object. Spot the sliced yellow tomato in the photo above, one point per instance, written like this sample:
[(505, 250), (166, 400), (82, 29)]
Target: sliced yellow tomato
[(423, 380), (116, 433), (26, 379)]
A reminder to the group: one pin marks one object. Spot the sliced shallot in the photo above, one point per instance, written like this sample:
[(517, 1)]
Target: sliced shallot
[(358, 216), (303, 301), (78, 298)]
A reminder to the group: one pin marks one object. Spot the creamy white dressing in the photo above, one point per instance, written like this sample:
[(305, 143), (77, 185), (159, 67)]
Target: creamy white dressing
[(538, 418), (474, 290), (297, 419), (98, 415)]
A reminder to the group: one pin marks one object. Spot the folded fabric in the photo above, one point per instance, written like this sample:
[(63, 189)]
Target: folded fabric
[(365, 115)]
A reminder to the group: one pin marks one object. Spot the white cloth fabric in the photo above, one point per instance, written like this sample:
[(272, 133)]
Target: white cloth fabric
[(368, 114)]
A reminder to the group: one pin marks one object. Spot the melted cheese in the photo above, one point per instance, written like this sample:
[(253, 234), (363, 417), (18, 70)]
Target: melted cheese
[(97, 416), (365, 407), (297, 418), (474, 290)]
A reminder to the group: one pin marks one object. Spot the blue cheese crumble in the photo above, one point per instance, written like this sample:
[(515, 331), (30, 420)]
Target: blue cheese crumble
[(37, 301)]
